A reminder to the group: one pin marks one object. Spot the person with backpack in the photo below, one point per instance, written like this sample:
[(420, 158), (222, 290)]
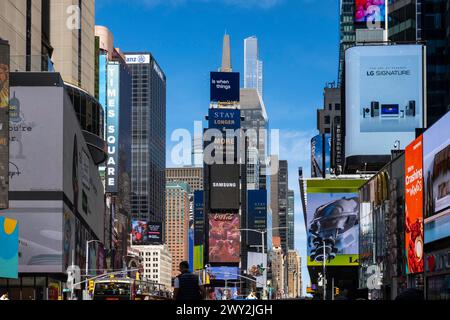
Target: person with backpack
[(188, 286)]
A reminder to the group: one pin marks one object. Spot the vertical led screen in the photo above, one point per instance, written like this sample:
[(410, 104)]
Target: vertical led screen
[(370, 10), (9, 244), (436, 153), (224, 238), (317, 156), (4, 124), (256, 215), (414, 206), (333, 222)]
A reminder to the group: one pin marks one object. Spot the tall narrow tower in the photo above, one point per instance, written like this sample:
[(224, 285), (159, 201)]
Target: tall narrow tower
[(226, 54)]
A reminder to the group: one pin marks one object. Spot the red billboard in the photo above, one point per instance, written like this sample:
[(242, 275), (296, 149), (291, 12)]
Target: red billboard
[(224, 238), (414, 206)]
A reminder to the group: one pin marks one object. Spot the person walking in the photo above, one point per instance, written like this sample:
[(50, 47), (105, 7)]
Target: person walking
[(188, 286)]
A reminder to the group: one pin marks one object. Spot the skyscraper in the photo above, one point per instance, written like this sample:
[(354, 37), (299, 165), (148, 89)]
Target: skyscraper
[(148, 137), (253, 66), (226, 55), (177, 222), (347, 32), (279, 202)]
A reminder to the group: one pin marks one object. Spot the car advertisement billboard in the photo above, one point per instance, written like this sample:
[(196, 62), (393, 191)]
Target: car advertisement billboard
[(370, 10), (257, 267), (9, 242), (414, 206), (436, 150), (222, 273), (256, 216), (4, 124), (224, 119), (224, 238), (317, 152), (224, 181), (199, 219), (225, 87), (332, 221), (384, 97)]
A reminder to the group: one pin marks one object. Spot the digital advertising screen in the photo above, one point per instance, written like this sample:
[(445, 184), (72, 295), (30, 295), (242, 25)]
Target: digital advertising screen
[(384, 97), (222, 273), (146, 233), (257, 267), (223, 119), (317, 160), (333, 222), (225, 87), (414, 241), (4, 120), (225, 190), (228, 293), (370, 10), (224, 238), (9, 242), (436, 153), (256, 215)]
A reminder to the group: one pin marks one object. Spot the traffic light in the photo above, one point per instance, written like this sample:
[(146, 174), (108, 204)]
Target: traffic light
[(336, 291), (91, 285)]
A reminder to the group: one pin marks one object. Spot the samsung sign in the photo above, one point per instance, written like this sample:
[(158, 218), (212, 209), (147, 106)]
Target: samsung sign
[(137, 58), (112, 128)]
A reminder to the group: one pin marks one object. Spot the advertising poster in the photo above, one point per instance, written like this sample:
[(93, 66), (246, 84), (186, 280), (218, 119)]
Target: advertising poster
[(140, 232), (228, 293), (224, 238), (370, 10), (414, 206), (317, 160), (327, 143), (225, 190), (256, 215), (222, 273), (333, 222), (155, 233), (224, 119), (257, 267), (199, 219), (4, 124), (225, 87), (9, 244), (198, 257), (384, 97), (436, 153)]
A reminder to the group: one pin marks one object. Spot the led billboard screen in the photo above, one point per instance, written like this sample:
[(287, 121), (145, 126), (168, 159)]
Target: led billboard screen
[(4, 124), (9, 242), (224, 181), (257, 267), (224, 238), (333, 222), (199, 219), (146, 233), (384, 97), (436, 150), (317, 160), (222, 273), (225, 87), (370, 10), (414, 206), (256, 215), (223, 119)]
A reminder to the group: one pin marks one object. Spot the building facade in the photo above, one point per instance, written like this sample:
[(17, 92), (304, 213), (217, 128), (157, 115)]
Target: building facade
[(279, 202), (190, 175), (294, 274), (331, 113), (157, 264), (291, 220), (253, 66), (148, 137), (177, 223), (278, 271)]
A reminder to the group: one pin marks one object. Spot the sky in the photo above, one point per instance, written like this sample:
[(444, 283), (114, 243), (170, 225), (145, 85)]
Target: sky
[(298, 39)]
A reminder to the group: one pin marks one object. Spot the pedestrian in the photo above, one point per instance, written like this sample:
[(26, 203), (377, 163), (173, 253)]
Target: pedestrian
[(188, 286), (5, 296)]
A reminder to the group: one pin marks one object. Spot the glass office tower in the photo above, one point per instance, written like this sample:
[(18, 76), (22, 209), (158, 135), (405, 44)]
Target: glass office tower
[(253, 67)]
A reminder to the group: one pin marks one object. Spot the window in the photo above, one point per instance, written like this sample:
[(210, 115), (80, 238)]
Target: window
[(327, 120)]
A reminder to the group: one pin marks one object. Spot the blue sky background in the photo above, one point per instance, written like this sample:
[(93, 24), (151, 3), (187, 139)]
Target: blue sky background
[(298, 43)]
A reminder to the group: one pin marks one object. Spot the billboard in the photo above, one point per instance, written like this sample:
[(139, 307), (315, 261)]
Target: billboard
[(257, 267), (370, 10), (137, 58), (414, 206), (222, 273), (223, 119), (4, 124), (224, 238), (198, 257), (9, 242), (317, 153), (146, 233), (225, 87), (384, 97), (256, 215), (224, 187), (199, 219), (228, 293), (112, 127), (327, 145), (332, 221), (436, 150)]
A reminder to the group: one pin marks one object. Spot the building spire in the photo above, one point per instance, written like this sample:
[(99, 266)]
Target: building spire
[(226, 54)]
